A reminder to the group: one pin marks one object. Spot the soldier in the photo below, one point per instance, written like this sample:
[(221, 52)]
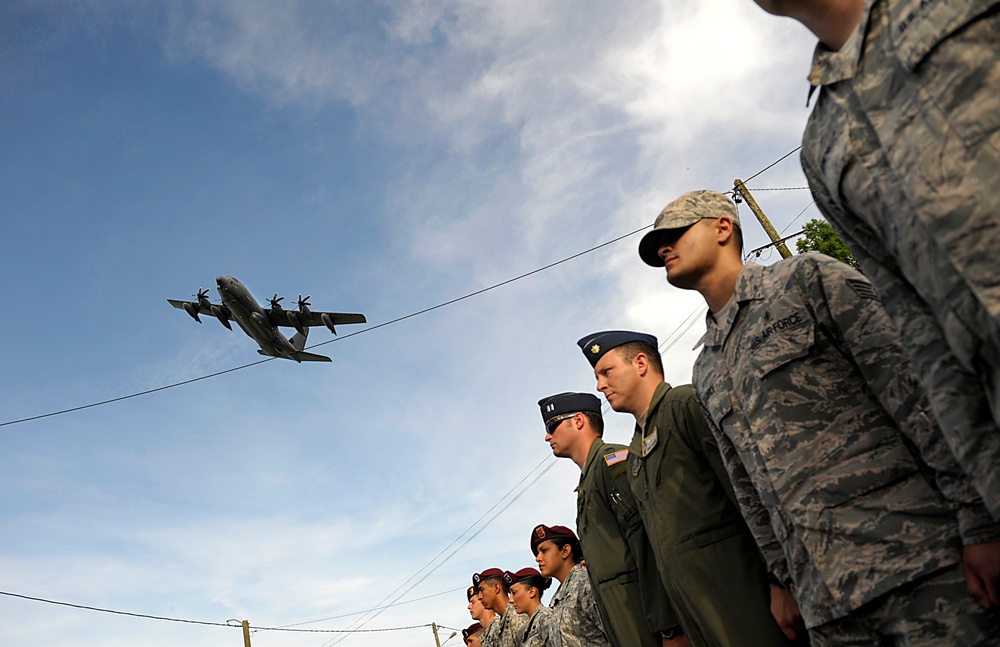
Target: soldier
[(706, 557), (902, 153), (526, 587), (853, 496), (576, 618), (620, 565), (508, 626), (478, 612), (472, 634)]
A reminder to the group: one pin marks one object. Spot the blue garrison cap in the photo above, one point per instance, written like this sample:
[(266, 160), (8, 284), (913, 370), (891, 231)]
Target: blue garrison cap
[(596, 345), (561, 403)]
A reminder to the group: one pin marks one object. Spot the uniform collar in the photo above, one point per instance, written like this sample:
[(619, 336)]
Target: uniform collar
[(658, 394), (829, 66), (595, 450)]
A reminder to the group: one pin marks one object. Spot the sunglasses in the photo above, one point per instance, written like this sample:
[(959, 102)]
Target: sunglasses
[(550, 426)]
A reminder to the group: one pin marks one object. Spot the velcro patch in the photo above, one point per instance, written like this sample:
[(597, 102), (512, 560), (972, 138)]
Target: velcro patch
[(616, 457), (863, 289)]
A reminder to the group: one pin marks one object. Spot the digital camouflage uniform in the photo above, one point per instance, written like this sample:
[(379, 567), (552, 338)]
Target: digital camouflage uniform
[(576, 621), (506, 629), (619, 558), (819, 416), (902, 153), (707, 559), (537, 628)]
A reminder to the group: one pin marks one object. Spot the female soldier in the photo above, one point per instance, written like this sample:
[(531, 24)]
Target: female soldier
[(576, 619), (526, 587)]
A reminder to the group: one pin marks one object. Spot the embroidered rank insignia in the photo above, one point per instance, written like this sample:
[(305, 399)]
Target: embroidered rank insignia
[(863, 289), (649, 443), (616, 457), (636, 466), (595, 349)]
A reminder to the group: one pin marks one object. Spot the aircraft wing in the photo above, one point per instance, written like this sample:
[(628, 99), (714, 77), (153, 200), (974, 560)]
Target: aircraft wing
[(188, 305), (314, 318)]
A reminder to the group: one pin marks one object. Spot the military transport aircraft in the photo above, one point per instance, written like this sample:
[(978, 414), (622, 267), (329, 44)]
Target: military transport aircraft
[(261, 324)]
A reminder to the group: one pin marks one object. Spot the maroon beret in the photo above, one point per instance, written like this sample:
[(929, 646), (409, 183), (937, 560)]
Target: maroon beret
[(485, 575), (471, 592), (544, 533), (523, 574), (471, 630)]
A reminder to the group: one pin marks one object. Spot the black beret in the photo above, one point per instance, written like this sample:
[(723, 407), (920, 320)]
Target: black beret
[(596, 345), (561, 403)]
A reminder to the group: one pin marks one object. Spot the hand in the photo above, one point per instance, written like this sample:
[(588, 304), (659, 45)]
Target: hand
[(981, 563), (786, 612), (679, 641)]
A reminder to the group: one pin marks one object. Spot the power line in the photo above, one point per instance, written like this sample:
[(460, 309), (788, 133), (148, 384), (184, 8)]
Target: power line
[(772, 164)]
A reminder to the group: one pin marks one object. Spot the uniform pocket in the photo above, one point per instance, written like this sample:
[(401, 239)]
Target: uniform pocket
[(781, 347)]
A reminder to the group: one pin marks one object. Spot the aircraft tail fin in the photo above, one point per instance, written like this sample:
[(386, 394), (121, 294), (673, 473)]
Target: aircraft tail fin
[(298, 340)]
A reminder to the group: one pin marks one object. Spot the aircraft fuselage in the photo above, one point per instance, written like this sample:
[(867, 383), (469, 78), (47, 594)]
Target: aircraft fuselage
[(252, 319)]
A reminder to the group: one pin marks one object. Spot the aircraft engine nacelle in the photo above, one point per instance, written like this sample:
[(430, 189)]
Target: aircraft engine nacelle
[(328, 322), (293, 318), (192, 310), (222, 314)]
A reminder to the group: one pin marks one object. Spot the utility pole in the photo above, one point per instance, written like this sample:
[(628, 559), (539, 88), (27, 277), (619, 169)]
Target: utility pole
[(764, 222), (434, 628), (246, 633)]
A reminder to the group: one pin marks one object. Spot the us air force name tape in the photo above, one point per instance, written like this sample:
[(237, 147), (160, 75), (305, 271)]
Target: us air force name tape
[(544, 533), (596, 345), (561, 403)]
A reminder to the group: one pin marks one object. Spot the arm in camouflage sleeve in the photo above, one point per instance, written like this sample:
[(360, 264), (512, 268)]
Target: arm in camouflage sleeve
[(750, 505), (660, 616), (860, 326)]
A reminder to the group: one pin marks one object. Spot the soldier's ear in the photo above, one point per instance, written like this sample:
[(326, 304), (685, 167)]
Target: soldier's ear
[(641, 362)]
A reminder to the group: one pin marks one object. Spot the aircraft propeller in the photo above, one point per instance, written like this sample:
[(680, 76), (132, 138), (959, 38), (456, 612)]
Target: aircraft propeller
[(202, 294), (304, 304), (276, 301)]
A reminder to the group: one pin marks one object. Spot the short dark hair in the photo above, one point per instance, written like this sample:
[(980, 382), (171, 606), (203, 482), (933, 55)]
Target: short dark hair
[(539, 582), (631, 349), (496, 579), (596, 421)]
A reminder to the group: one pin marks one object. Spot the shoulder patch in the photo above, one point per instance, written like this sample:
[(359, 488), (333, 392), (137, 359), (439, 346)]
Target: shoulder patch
[(863, 289), (616, 457)]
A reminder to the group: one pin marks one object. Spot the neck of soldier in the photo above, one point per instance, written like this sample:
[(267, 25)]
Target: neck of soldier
[(582, 450), (564, 570), (718, 286), (832, 21), (644, 394), (501, 603), (486, 617)]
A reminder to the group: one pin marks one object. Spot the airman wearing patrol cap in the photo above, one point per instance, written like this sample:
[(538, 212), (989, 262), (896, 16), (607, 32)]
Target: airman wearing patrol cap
[(620, 564), (507, 628), (707, 559)]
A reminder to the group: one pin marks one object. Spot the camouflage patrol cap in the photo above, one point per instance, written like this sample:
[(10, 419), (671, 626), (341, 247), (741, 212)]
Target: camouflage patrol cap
[(471, 630), (545, 533), (684, 212), (596, 345), (561, 403)]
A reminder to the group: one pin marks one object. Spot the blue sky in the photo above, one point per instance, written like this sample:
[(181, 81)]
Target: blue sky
[(383, 157)]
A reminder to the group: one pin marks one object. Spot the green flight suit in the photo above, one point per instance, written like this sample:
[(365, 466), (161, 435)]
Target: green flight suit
[(620, 563), (709, 563)]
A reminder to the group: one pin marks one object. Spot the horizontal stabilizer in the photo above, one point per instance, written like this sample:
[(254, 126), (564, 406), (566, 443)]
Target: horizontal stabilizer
[(300, 356)]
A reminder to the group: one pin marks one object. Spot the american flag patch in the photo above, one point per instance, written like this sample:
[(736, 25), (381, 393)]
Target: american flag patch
[(616, 457), (863, 289)]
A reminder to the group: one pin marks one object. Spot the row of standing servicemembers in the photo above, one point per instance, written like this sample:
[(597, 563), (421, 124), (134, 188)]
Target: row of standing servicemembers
[(801, 491), (833, 474)]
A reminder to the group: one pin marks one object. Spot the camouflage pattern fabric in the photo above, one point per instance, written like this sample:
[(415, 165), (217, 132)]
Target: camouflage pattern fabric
[(576, 621), (506, 629), (902, 153), (705, 554), (620, 562), (929, 613), (820, 416), (537, 629)]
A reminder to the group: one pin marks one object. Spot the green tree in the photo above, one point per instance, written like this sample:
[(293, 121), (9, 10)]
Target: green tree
[(819, 236)]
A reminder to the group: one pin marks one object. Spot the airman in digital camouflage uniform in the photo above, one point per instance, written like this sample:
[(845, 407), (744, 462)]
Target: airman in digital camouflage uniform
[(852, 494), (576, 621), (508, 626), (620, 563), (902, 153), (706, 557)]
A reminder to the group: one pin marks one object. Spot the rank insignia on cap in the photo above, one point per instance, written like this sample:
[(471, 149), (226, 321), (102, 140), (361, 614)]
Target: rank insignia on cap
[(595, 349)]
